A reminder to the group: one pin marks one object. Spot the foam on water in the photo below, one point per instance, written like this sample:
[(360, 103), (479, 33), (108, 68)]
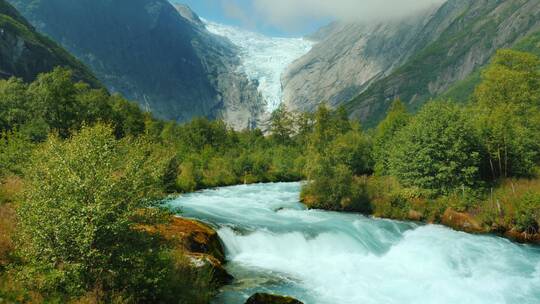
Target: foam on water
[(264, 58), (274, 244)]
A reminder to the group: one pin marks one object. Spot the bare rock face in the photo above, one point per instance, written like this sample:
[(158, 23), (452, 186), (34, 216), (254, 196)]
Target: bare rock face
[(464, 46), (348, 57), (365, 67), (264, 298)]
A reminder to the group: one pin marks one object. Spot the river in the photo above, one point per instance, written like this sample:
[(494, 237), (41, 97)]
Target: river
[(273, 244)]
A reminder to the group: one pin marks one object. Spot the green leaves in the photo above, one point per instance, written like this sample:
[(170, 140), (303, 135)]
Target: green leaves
[(437, 150), (507, 113), (79, 202)]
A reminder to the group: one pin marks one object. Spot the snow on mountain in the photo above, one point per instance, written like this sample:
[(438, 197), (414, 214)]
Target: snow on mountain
[(264, 58)]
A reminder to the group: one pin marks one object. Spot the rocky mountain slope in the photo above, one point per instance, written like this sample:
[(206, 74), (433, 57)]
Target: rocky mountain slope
[(151, 53), (24, 53), (414, 59)]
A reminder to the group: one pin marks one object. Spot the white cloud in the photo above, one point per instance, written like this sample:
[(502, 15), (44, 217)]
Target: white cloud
[(291, 14)]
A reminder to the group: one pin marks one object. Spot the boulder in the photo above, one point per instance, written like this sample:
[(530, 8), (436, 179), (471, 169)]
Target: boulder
[(197, 242), (264, 298), (192, 235), (219, 274), (523, 236), (461, 221)]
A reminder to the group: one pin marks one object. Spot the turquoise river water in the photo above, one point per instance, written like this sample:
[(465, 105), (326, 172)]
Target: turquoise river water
[(273, 244)]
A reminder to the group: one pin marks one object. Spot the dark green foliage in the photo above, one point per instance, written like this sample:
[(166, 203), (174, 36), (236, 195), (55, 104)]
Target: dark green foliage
[(54, 103), (437, 150), (39, 55), (15, 149), (527, 217), (338, 150), (396, 119)]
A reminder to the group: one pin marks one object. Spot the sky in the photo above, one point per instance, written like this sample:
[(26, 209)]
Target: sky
[(294, 18), (244, 14)]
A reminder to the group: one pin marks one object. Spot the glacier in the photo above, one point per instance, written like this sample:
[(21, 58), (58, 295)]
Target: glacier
[(263, 58)]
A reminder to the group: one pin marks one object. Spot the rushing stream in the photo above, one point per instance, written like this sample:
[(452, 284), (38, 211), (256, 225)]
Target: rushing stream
[(273, 244)]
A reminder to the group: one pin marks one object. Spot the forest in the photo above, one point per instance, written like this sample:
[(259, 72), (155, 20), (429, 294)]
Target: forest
[(80, 169)]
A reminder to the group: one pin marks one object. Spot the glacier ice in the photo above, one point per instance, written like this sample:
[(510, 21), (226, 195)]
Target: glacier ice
[(263, 58)]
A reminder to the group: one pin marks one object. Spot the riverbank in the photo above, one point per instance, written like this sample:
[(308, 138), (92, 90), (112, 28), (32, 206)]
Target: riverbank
[(191, 252), (510, 209), (274, 245)]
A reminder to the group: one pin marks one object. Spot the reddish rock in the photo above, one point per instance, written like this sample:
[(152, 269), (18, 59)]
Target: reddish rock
[(461, 221), (523, 237), (192, 235), (415, 215)]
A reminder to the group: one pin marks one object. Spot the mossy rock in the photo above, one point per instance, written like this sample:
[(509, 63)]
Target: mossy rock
[(192, 235), (264, 298), (462, 222)]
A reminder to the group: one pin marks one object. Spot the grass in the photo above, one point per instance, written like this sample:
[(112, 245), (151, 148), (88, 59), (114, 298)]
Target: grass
[(511, 205)]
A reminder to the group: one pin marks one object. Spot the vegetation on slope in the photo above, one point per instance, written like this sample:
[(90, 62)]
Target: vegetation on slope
[(434, 69), (481, 159), (28, 53)]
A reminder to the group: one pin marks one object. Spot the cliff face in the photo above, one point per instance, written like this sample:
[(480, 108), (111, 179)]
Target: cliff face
[(365, 67), (151, 53), (242, 104), (24, 53), (347, 58)]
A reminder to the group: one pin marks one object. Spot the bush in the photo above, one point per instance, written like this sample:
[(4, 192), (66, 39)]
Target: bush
[(76, 217), (437, 150)]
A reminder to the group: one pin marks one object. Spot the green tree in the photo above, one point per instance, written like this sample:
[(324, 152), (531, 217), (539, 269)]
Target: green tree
[(77, 216), (54, 98), (282, 125), (508, 113), (14, 109), (437, 150), (15, 149), (396, 119)]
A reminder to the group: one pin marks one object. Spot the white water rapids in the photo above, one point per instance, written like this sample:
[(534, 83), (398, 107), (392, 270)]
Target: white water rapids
[(273, 244)]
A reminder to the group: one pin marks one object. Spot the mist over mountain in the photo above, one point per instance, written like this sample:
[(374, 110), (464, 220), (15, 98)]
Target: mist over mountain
[(180, 66), (414, 59)]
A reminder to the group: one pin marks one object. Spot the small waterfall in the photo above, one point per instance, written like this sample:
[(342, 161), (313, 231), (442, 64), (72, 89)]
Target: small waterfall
[(274, 244)]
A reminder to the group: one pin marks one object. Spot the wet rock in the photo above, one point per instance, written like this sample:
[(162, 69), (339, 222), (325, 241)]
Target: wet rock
[(205, 261), (197, 242), (461, 221), (523, 236), (192, 235), (264, 298)]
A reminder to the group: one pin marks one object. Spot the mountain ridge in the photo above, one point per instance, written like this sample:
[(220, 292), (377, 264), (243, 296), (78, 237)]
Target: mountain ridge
[(147, 51), (26, 53), (366, 67)]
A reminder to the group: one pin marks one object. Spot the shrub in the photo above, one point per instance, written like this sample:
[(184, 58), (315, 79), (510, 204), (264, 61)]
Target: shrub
[(437, 150), (76, 217)]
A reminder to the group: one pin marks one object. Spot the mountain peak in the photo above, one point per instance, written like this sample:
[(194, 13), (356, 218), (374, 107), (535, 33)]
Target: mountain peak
[(186, 12)]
